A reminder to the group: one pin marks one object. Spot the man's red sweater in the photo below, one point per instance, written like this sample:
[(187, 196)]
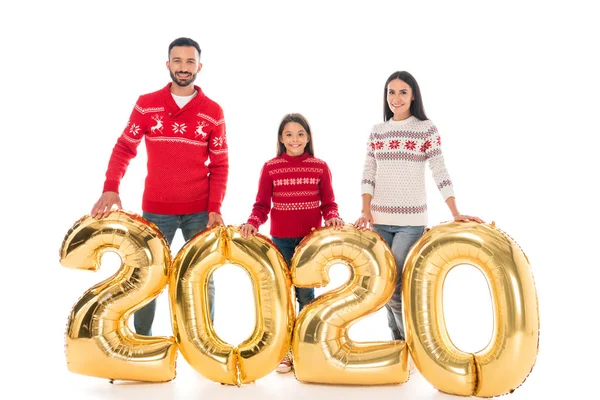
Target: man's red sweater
[(298, 193), (179, 141)]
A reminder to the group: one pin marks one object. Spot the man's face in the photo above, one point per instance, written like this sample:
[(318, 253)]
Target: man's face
[(184, 65)]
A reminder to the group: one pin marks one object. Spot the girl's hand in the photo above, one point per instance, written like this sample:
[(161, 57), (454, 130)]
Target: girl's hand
[(337, 223), (467, 218), (247, 230), (365, 221)]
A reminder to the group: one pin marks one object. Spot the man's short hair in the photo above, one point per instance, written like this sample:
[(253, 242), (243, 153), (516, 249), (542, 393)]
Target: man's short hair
[(183, 41)]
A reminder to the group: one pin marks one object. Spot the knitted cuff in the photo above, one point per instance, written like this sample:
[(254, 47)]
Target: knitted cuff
[(214, 207), (111, 186)]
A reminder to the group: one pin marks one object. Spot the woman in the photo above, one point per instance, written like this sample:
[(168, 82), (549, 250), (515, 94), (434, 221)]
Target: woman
[(393, 182)]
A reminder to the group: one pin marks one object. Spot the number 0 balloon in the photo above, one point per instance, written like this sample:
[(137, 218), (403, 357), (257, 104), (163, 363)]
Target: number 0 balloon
[(509, 357), (199, 343)]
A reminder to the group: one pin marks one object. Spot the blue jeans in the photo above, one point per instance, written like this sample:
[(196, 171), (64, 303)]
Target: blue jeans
[(287, 246), (400, 239), (190, 225)]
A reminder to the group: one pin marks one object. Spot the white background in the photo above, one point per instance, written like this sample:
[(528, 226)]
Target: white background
[(512, 87)]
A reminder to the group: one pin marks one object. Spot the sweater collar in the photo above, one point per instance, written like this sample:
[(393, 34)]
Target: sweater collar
[(295, 159), (401, 122), (173, 107)]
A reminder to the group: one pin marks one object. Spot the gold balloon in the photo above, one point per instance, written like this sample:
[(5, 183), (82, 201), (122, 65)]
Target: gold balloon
[(274, 318), (98, 340), (509, 357), (323, 351)]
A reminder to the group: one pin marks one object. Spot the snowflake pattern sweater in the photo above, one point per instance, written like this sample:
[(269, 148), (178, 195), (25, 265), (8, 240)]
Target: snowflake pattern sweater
[(298, 193), (179, 142), (394, 171)]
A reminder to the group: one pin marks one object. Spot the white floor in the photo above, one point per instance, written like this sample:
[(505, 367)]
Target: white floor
[(188, 384)]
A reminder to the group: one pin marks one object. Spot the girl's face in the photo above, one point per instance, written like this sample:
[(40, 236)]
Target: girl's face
[(294, 138), (399, 97)]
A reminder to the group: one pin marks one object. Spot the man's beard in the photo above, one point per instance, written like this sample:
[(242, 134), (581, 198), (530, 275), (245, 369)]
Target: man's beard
[(182, 83)]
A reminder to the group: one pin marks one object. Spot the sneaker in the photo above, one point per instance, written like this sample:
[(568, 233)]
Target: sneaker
[(286, 364)]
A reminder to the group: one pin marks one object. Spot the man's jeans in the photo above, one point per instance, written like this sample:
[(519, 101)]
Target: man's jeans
[(190, 225), (287, 246), (400, 239)]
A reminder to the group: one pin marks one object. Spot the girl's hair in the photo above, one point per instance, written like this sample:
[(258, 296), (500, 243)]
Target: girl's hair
[(416, 106), (299, 118)]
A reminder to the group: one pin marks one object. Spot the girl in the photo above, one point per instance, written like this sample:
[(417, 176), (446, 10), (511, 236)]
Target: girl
[(393, 181), (296, 188)]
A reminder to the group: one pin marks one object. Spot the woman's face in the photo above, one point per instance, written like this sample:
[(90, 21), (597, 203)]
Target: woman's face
[(399, 97)]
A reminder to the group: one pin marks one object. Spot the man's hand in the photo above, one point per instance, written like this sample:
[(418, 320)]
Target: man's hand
[(104, 205), (214, 219)]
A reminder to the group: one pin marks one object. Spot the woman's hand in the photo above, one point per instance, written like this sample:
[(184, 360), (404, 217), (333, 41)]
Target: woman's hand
[(337, 223), (365, 221), (247, 230), (467, 218)]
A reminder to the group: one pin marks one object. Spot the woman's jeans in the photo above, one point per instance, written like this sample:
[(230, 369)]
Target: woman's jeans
[(287, 246), (400, 239), (190, 225)]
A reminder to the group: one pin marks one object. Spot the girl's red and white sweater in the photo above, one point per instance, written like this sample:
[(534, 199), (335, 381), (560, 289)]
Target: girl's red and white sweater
[(179, 142), (298, 193)]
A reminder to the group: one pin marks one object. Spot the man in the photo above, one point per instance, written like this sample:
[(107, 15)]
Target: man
[(183, 129)]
